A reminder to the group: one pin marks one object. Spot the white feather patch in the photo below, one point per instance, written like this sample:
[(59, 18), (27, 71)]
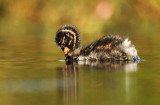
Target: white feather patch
[(129, 48), (92, 55)]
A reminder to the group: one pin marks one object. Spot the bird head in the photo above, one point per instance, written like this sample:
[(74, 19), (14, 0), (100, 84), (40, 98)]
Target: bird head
[(68, 38)]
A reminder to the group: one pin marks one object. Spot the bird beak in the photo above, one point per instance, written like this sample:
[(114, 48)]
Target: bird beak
[(66, 50)]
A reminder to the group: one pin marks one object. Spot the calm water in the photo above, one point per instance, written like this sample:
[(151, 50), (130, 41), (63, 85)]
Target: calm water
[(31, 74)]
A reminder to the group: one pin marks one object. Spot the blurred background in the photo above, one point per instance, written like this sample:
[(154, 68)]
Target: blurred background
[(44, 17), (30, 72), (41, 19)]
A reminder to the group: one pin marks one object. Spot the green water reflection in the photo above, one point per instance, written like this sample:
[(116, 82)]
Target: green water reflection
[(31, 74)]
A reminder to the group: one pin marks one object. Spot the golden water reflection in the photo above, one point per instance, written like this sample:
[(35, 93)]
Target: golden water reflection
[(31, 73), (72, 81)]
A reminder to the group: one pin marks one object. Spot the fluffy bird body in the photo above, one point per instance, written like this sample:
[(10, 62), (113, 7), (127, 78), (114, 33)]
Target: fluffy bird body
[(107, 48)]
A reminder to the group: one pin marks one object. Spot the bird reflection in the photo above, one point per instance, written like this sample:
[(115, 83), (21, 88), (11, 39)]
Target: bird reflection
[(103, 65), (70, 74), (70, 85)]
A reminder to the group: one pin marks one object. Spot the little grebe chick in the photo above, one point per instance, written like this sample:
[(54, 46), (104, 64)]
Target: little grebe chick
[(107, 48)]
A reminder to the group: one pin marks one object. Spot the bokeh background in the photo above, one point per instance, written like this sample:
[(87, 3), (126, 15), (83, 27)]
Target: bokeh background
[(43, 17), (30, 70), (39, 19), (21, 20)]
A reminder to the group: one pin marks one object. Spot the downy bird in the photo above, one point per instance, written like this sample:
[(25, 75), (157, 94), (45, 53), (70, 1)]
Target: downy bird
[(107, 48)]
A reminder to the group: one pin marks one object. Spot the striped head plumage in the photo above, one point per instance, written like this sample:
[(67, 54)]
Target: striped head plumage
[(68, 38)]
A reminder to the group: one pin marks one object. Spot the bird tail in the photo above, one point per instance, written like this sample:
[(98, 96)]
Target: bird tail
[(129, 49)]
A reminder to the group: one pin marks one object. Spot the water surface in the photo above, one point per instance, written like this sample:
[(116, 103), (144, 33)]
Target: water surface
[(33, 73)]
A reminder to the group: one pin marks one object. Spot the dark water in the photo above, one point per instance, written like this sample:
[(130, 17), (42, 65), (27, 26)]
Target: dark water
[(31, 74)]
